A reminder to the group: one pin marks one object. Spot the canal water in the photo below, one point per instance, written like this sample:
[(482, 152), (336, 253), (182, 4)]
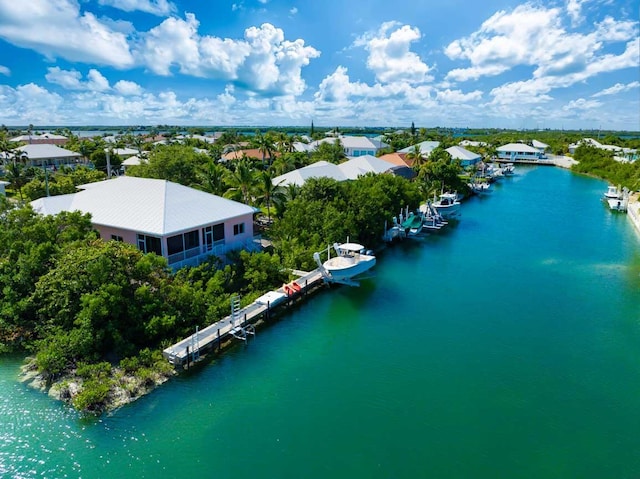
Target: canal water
[(507, 346)]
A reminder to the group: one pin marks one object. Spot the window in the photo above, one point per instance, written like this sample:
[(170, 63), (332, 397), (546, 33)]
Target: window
[(212, 234), (174, 245), (117, 238), (238, 229), (218, 232), (150, 244), (191, 240)]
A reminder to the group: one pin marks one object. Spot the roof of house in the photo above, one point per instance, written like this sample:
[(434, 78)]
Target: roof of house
[(43, 136), (361, 165), (353, 142), (459, 153), (47, 151), (539, 144), (318, 169), (349, 170), (133, 161), (426, 147), (145, 205), (122, 151), (472, 143), (518, 147), (250, 153), (397, 159)]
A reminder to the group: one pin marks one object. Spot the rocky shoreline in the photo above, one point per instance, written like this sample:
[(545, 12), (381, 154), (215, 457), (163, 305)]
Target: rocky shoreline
[(125, 388)]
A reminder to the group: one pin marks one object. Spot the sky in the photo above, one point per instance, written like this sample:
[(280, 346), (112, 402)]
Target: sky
[(565, 64)]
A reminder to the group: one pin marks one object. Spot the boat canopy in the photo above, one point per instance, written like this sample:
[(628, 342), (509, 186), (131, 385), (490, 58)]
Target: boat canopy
[(355, 247)]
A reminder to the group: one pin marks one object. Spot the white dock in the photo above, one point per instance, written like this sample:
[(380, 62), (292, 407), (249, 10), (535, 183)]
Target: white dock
[(188, 350)]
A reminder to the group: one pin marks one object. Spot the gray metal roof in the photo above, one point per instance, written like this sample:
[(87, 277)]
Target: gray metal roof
[(47, 151), (151, 206), (459, 153)]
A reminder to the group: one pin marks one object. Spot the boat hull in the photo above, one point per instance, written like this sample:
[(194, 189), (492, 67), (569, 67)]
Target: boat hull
[(341, 268)]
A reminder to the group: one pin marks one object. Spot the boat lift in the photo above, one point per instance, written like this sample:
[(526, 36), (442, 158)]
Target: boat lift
[(239, 331)]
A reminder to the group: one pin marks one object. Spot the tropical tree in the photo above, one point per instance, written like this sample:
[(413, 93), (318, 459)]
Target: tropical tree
[(242, 181), (211, 178), (265, 145), (416, 156), (267, 192)]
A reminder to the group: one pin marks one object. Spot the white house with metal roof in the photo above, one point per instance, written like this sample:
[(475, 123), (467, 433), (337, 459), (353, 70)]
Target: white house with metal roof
[(49, 155), (355, 145), (426, 147), (180, 223), (42, 138), (464, 156), (519, 152), (349, 170)]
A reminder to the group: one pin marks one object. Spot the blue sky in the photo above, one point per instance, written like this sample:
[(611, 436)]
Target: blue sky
[(458, 63)]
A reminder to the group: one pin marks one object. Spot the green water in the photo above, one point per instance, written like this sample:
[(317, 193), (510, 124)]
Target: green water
[(505, 347)]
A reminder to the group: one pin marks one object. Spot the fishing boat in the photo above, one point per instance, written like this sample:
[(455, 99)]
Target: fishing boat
[(351, 260), (617, 199), (480, 187), (508, 169), (413, 224), (447, 205)]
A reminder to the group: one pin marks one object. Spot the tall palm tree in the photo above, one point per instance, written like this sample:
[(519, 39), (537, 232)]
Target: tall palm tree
[(211, 178), (267, 191), (284, 164), (416, 156), (5, 147), (265, 145), (242, 181)]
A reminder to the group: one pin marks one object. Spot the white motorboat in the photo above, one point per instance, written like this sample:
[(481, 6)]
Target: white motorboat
[(508, 169), (447, 205), (351, 260), (616, 199), (480, 187)]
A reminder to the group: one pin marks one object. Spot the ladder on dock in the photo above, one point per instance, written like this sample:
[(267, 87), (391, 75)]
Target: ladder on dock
[(195, 346), (239, 331)]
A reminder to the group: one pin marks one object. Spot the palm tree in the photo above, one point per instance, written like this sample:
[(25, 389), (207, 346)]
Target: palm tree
[(267, 191), (242, 181), (416, 156), (15, 174), (284, 164), (265, 145), (211, 178), (5, 147)]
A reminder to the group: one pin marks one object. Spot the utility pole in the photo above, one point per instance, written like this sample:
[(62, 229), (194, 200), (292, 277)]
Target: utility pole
[(46, 178), (108, 163)]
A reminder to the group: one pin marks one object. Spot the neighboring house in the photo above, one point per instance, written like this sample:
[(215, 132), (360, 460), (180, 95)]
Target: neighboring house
[(396, 159), (132, 161), (47, 155), (426, 147), (518, 152), (249, 153), (123, 153), (620, 153), (349, 170), (41, 139), (179, 223), (466, 157), (354, 145), (473, 143), (2, 187), (538, 145)]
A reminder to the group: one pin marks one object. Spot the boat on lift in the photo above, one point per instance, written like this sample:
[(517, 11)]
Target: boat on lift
[(448, 205), (351, 260)]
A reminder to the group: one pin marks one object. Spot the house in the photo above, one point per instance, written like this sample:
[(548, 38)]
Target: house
[(355, 145), (464, 156), (2, 187), (538, 145), (41, 139), (396, 159), (518, 152), (349, 170), (620, 153), (48, 155), (249, 153), (473, 143), (425, 147), (182, 224), (123, 153), (132, 161)]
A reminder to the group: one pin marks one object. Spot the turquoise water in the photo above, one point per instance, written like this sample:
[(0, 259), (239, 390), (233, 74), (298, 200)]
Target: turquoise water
[(505, 347)]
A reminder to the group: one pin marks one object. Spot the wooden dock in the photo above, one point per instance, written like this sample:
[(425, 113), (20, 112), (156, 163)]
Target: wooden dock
[(234, 326)]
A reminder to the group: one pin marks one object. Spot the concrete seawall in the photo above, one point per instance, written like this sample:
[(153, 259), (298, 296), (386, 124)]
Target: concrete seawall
[(633, 210)]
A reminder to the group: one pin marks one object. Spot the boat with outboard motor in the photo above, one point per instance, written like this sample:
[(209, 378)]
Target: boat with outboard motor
[(351, 260)]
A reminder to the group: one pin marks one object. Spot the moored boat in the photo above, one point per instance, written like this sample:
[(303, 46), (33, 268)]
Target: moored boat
[(413, 224), (447, 205), (352, 260)]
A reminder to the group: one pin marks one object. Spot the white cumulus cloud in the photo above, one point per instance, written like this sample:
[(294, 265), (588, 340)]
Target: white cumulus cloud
[(127, 88), (263, 60), (57, 29), (390, 55), (72, 79), (5, 70), (618, 88)]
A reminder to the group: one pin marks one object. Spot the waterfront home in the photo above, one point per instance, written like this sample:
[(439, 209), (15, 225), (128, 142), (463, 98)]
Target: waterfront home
[(619, 153), (464, 156), (41, 139), (478, 144), (349, 170), (47, 155), (179, 223), (518, 152), (541, 147)]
